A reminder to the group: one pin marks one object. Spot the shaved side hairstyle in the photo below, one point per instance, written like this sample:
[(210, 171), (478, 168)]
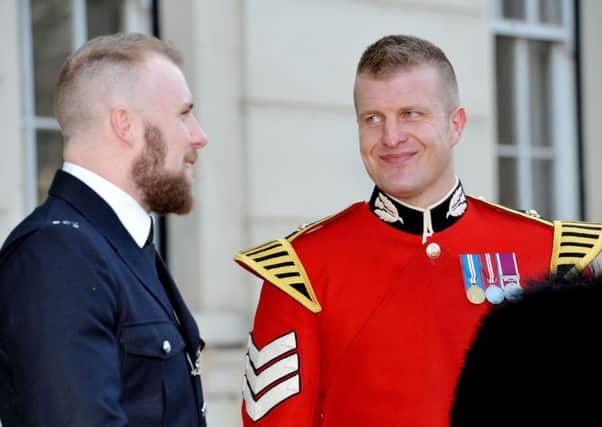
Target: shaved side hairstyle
[(109, 62), (400, 53)]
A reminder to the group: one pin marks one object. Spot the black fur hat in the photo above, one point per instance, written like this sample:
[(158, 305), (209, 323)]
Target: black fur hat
[(536, 362)]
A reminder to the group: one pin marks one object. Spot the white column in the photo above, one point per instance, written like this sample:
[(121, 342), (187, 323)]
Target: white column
[(591, 61), (12, 186), (563, 132)]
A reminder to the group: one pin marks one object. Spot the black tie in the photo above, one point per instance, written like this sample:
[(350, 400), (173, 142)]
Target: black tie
[(151, 254), (149, 246)]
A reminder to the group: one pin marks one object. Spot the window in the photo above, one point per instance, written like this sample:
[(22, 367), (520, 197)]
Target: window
[(535, 93), (51, 30)]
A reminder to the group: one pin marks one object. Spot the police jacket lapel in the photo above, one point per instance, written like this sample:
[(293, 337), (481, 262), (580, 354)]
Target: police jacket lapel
[(83, 199), (188, 326), (187, 322)]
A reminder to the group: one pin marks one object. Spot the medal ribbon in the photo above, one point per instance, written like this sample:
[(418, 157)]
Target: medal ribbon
[(508, 268), (491, 268), (473, 281), (473, 273), (471, 266)]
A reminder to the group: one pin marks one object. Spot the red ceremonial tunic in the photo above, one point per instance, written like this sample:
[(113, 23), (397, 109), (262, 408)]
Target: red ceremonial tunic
[(389, 342)]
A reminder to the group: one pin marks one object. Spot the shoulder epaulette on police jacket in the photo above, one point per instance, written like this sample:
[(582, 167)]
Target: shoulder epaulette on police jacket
[(277, 262), (577, 245)]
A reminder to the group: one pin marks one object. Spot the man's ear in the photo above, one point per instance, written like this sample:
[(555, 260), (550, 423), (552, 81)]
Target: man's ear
[(457, 122), (123, 124)]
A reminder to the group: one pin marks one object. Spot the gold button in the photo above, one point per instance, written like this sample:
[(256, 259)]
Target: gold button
[(166, 347), (433, 250)]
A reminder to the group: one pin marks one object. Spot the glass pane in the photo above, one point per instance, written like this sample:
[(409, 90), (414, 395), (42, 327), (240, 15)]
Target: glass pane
[(49, 144), (51, 26), (505, 57), (507, 184), (514, 9), (104, 17), (550, 12), (539, 93), (543, 187)]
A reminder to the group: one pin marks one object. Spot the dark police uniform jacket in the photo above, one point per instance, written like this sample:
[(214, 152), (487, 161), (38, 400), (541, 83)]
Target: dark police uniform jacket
[(89, 336)]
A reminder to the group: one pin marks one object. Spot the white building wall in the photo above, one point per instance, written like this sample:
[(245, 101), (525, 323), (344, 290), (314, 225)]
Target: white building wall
[(591, 61)]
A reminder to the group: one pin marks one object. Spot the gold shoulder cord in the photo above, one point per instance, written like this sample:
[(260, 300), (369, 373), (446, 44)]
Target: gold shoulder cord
[(530, 214)]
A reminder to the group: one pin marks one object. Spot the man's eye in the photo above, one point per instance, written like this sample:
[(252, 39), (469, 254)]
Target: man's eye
[(373, 120), (410, 114)]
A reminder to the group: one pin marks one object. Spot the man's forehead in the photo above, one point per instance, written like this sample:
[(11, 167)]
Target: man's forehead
[(162, 75), (421, 70), (416, 87)]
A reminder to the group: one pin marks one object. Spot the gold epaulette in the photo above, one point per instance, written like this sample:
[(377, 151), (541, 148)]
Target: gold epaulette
[(576, 246), (277, 262)]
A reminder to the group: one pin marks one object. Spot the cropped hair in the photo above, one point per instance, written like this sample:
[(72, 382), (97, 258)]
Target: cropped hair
[(105, 57), (400, 53)]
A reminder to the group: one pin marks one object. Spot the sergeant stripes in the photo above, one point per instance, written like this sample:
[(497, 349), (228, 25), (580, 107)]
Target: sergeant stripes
[(272, 375), (277, 262), (577, 245)]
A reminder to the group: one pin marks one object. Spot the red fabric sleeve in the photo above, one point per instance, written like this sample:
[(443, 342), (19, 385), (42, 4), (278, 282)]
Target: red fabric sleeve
[(282, 376)]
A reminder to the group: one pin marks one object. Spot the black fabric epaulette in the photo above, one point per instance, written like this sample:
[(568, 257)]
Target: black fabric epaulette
[(19, 234), (277, 262), (577, 245)]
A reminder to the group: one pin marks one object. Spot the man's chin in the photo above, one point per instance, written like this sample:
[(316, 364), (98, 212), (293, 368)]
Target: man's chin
[(173, 196), (186, 208)]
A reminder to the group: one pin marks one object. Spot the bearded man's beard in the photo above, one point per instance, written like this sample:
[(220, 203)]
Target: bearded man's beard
[(162, 192)]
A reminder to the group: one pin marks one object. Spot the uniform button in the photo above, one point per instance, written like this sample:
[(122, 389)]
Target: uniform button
[(533, 213), (166, 347), (433, 250)]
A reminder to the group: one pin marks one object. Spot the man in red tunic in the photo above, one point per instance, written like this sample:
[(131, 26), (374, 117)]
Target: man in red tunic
[(365, 317)]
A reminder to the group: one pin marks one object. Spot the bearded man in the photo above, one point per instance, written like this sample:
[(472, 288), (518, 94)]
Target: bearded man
[(93, 330)]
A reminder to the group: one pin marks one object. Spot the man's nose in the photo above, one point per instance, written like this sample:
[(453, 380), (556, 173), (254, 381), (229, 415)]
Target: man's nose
[(393, 133), (198, 135)]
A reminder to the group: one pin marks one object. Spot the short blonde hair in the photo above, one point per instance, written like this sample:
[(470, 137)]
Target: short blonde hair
[(119, 53), (397, 53)]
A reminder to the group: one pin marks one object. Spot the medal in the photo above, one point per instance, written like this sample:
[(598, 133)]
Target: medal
[(475, 294), (473, 281), (509, 277), (493, 292)]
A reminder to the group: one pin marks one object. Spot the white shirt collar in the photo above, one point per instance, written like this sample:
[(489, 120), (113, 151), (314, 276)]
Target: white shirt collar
[(133, 216)]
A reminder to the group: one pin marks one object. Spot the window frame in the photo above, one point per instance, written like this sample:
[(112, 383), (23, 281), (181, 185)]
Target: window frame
[(138, 16), (563, 133)]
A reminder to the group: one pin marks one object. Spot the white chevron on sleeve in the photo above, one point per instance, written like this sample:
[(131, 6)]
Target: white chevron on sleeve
[(271, 350), (278, 370), (258, 408)]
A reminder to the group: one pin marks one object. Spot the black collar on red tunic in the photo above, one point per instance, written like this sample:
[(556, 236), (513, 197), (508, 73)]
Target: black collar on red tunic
[(414, 220)]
